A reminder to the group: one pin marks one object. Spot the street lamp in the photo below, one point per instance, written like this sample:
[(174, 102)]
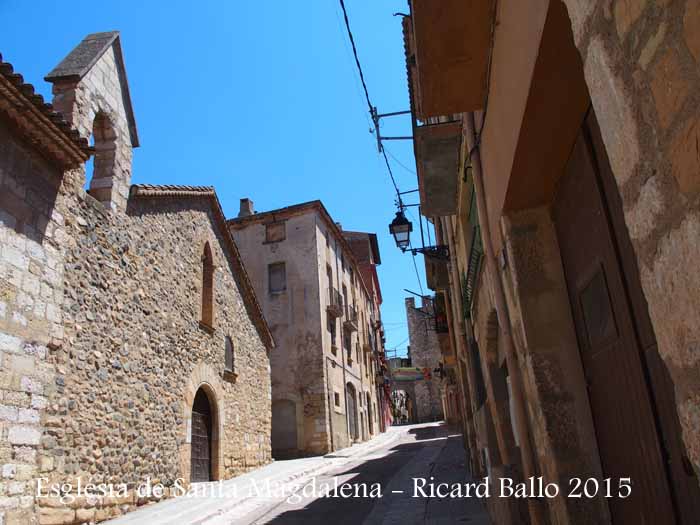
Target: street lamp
[(401, 229)]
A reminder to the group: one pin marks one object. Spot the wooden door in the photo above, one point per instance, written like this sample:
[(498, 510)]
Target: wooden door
[(201, 439), (619, 394), (370, 423), (352, 411)]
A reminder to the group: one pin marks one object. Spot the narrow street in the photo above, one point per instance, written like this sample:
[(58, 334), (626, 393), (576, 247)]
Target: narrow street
[(391, 459)]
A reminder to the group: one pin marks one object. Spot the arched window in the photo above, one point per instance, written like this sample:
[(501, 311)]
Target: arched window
[(207, 287), (99, 183), (229, 358)]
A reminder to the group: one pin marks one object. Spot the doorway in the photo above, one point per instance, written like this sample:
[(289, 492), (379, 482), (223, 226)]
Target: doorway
[(284, 429), (370, 423), (201, 460), (352, 411), (607, 327)]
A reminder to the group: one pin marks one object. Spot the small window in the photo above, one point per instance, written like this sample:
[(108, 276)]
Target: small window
[(277, 275), (229, 356), (207, 287), (275, 232), (336, 399)]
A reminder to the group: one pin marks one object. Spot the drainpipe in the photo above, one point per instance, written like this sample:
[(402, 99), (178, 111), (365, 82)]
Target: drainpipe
[(504, 319)]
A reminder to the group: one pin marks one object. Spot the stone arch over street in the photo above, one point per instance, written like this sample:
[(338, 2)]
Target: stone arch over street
[(403, 398)]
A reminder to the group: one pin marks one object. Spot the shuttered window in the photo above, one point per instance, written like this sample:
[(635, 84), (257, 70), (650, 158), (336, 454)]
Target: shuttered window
[(277, 274)]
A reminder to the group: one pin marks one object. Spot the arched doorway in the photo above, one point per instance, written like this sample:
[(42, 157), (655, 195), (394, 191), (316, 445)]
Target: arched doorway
[(370, 424), (202, 433), (351, 397)]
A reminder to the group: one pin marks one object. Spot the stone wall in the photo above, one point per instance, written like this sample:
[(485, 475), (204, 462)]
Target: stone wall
[(560, 419), (641, 66), (135, 355), (101, 348), (308, 368), (425, 353), (294, 316), (31, 295), (95, 105)]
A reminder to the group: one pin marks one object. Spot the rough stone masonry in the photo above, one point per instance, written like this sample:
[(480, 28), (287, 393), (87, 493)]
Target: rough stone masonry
[(426, 355), (117, 307)]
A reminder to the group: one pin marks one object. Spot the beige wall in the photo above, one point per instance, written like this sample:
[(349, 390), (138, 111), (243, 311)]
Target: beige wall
[(32, 232), (359, 369), (294, 317), (640, 62), (298, 320)]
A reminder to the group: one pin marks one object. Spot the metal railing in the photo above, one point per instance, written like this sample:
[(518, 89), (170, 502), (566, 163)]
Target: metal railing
[(335, 302), (350, 313)]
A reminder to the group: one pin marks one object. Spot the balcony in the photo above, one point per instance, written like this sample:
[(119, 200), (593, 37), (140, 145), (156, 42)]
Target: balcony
[(447, 48), (335, 303), (436, 274), (440, 309), (437, 148), (350, 323), (370, 345)]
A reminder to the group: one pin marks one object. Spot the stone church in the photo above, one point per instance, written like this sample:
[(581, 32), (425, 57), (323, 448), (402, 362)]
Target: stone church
[(132, 345)]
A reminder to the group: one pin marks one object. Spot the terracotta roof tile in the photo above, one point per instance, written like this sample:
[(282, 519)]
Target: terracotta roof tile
[(68, 146), (171, 190)]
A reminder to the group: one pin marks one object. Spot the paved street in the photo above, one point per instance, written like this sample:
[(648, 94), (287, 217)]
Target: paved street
[(391, 460)]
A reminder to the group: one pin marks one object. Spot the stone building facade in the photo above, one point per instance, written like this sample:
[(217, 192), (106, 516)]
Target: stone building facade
[(556, 155), (131, 341), (426, 355), (324, 315)]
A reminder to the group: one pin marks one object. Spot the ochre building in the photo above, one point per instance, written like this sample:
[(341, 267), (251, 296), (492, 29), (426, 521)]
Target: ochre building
[(556, 148), (320, 294)]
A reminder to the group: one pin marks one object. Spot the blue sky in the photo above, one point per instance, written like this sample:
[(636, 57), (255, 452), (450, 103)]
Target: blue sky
[(260, 99)]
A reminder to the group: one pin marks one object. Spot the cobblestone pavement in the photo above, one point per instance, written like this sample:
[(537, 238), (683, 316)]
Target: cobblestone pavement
[(293, 492)]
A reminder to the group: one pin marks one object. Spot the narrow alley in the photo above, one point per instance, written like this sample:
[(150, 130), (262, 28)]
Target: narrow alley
[(392, 459), (409, 261)]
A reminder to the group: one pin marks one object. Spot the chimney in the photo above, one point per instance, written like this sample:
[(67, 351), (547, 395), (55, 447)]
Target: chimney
[(246, 208)]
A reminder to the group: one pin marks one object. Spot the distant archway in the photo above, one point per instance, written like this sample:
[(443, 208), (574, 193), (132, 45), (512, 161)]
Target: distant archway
[(403, 405)]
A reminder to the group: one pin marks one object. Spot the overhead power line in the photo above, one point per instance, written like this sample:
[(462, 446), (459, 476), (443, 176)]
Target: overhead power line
[(400, 163), (373, 113), (354, 52), (370, 107)]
